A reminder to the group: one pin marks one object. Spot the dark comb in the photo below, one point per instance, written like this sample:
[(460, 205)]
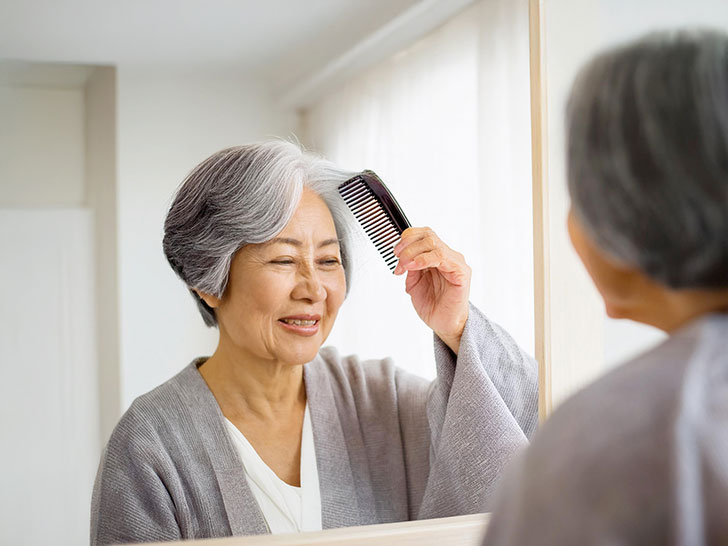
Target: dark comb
[(377, 211)]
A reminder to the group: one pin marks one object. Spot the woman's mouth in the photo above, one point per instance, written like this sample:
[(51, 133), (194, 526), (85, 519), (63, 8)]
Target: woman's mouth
[(301, 325), (297, 322)]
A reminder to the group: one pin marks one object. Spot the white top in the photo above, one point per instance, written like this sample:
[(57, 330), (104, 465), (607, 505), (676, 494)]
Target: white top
[(286, 509)]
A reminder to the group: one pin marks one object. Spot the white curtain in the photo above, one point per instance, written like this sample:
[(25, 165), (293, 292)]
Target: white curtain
[(446, 124)]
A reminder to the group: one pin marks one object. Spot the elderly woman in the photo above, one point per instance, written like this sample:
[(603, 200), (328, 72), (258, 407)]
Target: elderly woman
[(274, 434), (639, 457)]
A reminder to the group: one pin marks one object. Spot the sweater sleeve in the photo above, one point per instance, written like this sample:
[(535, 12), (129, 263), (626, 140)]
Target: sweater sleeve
[(479, 411), (130, 501), (512, 372)]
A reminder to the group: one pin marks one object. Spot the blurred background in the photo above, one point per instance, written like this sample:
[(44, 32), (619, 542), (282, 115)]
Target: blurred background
[(105, 106)]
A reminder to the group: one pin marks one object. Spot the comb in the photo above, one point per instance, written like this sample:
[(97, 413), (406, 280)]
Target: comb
[(377, 211)]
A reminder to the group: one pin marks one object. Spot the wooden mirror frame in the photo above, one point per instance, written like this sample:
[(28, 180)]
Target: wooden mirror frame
[(539, 165)]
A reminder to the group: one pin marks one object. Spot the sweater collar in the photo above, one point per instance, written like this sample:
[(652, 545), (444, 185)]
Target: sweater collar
[(242, 510), (342, 502)]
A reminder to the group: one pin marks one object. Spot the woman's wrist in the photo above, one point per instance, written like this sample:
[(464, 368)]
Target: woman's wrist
[(452, 340)]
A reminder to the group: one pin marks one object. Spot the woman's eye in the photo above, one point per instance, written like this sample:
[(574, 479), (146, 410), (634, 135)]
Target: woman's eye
[(330, 261), (282, 261)]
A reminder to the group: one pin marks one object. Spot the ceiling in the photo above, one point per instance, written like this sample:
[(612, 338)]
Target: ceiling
[(263, 36)]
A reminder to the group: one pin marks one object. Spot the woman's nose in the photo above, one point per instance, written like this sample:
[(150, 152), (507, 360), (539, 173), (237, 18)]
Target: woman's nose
[(309, 287)]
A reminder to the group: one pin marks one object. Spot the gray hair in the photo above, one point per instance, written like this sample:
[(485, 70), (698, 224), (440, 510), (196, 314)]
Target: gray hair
[(242, 195), (648, 156)]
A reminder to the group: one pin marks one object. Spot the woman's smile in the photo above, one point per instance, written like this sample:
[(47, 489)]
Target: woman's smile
[(302, 325)]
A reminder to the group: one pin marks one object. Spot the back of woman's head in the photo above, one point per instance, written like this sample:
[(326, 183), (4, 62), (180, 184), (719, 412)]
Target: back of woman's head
[(242, 195), (648, 156)]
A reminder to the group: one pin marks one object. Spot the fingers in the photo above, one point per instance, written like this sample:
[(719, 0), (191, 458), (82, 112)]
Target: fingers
[(414, 241), (423, 258), (421, 248), (411, 235)]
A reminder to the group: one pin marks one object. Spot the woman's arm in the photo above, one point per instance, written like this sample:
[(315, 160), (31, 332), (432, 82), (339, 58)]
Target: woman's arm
[(130, 501), (509, 368), (459, 437), (483, 404), (438, 281)]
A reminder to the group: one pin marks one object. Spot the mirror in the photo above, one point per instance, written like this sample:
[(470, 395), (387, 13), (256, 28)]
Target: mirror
[(584, 342), (105, 113)]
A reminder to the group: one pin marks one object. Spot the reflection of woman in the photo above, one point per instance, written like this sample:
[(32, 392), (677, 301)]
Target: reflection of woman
[(640, 456), (252, 441)]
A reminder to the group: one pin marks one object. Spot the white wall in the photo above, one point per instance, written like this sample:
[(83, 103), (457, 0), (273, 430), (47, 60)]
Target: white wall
[(167, 123), (41, 146), (585, 342)]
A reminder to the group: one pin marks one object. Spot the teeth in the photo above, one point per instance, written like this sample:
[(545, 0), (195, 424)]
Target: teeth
[(299, 322)]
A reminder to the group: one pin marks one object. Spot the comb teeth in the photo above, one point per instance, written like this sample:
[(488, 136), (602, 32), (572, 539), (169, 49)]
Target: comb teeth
[(373, 217)]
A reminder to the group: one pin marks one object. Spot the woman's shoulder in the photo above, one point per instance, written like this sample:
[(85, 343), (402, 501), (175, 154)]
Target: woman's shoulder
[(160, 412), (163, 399), (613, 445), (647, 384), (637, 404), (643, 386)]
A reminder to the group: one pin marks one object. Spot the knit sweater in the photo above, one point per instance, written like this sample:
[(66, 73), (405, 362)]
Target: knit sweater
[(390, 446)]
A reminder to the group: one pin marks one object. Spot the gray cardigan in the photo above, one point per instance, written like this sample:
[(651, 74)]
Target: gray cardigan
[(389, 446), (638, 457)]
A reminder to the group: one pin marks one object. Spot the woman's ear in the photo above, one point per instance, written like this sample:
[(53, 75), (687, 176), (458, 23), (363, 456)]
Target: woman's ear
[(209, 299)]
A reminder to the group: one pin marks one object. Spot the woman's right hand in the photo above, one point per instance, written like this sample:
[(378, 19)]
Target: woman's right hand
[(438, 281)]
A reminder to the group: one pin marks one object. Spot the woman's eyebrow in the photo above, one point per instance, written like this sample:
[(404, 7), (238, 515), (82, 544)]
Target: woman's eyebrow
[(328, 242), (296, 242), (285, 241)]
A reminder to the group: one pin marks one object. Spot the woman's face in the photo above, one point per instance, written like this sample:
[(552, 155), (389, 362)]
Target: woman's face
[(283, 296)]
